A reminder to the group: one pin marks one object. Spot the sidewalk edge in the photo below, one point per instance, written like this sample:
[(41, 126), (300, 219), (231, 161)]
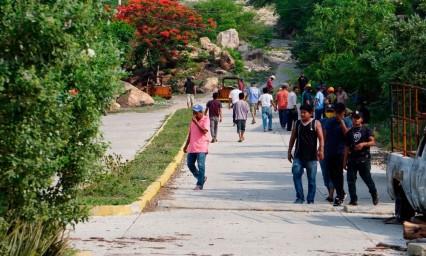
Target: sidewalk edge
[(137, 206)]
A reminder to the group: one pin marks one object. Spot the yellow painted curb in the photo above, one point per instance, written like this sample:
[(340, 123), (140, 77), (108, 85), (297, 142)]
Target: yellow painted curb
[(84, 253), (151, 190)]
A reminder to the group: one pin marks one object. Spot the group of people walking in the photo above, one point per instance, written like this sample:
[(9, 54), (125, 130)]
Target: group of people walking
[(323, 134)]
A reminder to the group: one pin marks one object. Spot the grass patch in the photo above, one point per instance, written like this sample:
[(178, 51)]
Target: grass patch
[(122, 184)]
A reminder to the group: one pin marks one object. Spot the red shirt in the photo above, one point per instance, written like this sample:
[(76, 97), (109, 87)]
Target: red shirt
[(282, 99)]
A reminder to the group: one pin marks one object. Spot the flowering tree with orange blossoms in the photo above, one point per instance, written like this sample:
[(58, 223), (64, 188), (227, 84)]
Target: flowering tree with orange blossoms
[(162, 27)]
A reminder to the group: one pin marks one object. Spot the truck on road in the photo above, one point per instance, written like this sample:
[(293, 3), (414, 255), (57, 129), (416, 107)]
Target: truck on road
[(406, 165)]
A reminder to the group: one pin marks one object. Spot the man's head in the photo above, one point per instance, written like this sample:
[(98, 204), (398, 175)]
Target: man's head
[(284, 86), (272, 77), (308, 87), (197, 111), (306, 112), (330, 89), (215, 95), (241, 96), (265, 90), (339, 89), (357, 118), (318, 88), (329, 111), (253, 84), (296, 89), (339, 108)]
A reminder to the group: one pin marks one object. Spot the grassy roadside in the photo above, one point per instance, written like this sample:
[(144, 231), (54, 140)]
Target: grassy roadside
[(124, 183)]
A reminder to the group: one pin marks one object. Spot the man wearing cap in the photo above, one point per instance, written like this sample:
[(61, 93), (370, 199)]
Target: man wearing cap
[(281, 100), (306, 96), (328, 183), (334, 135), (253, 94), (302, 81), (270, 84), (331, 97), (197, 145), (191, 91), (319, 103), (357, 157)]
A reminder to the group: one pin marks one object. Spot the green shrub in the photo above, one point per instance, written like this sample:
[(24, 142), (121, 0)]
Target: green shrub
[(56, 79)]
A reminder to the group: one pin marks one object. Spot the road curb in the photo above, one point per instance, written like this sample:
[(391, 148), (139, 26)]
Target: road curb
[(137, 206)]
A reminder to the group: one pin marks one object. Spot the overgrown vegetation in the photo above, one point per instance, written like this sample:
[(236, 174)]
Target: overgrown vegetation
[(58, 73), (228, 14), (122, 184)]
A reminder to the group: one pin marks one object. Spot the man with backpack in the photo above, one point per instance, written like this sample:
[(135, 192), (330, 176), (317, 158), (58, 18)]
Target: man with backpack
[(306, 133)]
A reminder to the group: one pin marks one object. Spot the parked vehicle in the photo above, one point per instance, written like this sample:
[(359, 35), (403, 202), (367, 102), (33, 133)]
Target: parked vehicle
[(406, 165), (228, 84)]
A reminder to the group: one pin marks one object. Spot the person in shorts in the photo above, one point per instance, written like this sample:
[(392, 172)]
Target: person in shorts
[(241, 108), (191, 91), (252, 95)]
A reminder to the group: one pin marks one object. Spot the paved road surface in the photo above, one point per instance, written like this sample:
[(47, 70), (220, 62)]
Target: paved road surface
[(246, 208)]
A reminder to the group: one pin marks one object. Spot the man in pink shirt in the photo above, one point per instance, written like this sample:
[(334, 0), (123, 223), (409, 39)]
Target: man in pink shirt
[(197, 145)]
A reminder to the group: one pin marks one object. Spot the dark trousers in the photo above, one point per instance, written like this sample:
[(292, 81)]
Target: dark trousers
[(282, 114), (291, 117), (335, 169), (363, 166)]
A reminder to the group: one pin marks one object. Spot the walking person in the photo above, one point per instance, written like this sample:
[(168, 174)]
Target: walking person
[(214, 108), (197, 145), (306, 96), (357, 157), (302, 81), (292, 114), (267, 103), (233, 98), (253, 94), (305, 134), (319, 103), (191, 91), (328, 183), (241, 110), (335, 135), (331, 97), (270, 84), (341, 95), (241, 84), (281, 101)]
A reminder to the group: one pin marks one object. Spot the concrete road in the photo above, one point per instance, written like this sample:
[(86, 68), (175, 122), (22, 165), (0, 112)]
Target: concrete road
[(246, 208)]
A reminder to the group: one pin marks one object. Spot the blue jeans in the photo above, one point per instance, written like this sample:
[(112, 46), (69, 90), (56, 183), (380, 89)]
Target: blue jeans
[(266, 117), (199, 172), (311, 172), (363, 166)]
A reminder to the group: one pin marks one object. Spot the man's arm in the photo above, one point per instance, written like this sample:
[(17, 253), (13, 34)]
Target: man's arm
[(291, 144), (185, 148), (202, 129), (320, 135), (345, 157), (371, 142), (195, 89), (220, 114)]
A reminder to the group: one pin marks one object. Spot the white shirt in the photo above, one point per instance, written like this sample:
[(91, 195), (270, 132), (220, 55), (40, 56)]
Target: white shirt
[(266, 99), (235, 95), (292, 100)]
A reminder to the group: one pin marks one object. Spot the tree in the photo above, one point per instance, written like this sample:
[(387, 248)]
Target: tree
[(162, 28), (400, 56), (337, 37), (56, 79)]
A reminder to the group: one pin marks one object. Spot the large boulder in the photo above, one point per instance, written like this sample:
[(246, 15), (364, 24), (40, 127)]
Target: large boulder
[(133, 97), (256, 56), (211, 84), (226, 61), (210, 47), (228, 39)]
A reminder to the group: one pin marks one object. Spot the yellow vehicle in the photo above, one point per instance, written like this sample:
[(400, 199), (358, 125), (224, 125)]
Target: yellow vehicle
[(228, 84)]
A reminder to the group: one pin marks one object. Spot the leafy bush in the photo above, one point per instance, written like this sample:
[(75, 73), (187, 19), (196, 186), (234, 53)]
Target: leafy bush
[(227, 14), (56, 78)]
